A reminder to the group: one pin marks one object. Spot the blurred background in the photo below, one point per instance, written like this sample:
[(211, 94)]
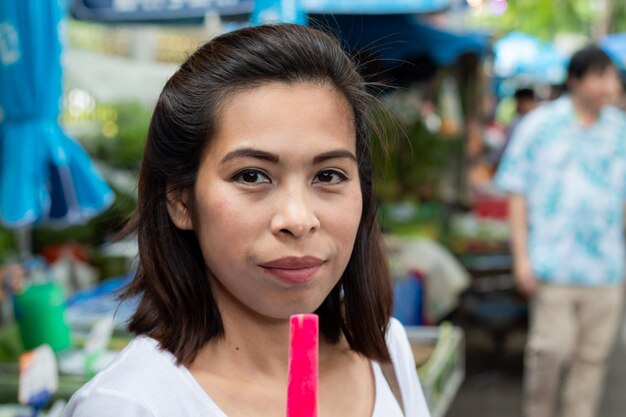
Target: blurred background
[(77, 89)]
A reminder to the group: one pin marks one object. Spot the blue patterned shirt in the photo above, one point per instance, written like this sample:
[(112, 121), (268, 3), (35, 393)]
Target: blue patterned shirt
[(574, 181)]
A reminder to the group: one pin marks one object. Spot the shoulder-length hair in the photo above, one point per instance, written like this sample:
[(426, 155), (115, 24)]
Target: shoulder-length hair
[(177, 307)]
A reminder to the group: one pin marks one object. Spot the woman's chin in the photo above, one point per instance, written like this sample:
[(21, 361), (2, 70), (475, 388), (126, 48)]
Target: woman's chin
[(284, 312)]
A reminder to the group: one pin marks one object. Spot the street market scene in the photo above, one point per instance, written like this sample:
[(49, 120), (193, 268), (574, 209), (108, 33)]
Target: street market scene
[(312, 208)]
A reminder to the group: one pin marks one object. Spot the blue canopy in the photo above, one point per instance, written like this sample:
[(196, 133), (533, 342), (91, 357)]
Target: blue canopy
[(396, 37), (518, 55), (45, 176)]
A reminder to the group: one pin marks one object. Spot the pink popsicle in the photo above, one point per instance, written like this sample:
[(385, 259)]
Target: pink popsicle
[(303, 351)]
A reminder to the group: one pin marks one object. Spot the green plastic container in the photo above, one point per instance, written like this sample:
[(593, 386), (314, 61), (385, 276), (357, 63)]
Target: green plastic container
[(40, 316)]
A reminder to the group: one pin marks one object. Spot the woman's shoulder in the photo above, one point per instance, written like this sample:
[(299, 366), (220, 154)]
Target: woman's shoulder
[(103, 402), (405, 369), (138, 364), (397, 339), (400, 352), (141, 380)]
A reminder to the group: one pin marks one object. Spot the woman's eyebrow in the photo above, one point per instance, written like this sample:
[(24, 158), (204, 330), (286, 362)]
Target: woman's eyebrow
[(339, 153), (250, 153), (270, 157)]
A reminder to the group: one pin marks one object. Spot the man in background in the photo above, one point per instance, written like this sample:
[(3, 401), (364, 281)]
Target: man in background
[(565, 170), (525, 102)]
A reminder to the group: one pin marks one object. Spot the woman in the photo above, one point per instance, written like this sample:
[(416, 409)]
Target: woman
[(255, 203)]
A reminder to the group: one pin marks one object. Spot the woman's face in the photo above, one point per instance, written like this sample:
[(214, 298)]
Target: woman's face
[(278, 199)]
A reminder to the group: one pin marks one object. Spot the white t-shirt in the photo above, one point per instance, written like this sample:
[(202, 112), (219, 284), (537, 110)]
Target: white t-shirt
[(144, 381)]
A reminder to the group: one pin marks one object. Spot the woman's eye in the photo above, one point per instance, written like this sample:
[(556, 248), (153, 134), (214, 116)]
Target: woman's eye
[(251, 176), (330, 176)]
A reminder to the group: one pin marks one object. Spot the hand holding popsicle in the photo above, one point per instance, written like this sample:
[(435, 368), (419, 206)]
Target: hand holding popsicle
[(303, 363)]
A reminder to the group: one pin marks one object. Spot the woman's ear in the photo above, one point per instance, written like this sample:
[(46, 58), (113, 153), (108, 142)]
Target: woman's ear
[(178, 208)]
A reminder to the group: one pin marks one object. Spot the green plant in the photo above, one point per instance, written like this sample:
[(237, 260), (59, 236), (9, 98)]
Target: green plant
[(114, 132), (549, 18), (125, 144), (7, 244), (415, 160)]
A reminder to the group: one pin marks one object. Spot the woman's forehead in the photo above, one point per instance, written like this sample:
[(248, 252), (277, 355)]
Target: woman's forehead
[(285, 118)]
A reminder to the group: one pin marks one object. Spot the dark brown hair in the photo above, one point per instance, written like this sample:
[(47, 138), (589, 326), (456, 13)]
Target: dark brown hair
[(177, 307), (589, 59)]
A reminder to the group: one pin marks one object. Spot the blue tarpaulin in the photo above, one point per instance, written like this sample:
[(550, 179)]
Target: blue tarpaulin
[(394, 38), (45, 176)]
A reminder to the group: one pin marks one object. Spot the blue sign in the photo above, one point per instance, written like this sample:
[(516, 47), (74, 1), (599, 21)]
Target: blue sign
[(155, 10), (275, 11), (374, 6)]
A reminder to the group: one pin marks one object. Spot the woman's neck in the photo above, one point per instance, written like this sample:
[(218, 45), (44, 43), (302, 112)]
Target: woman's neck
[(247, 369), (586, 112), (252, 344)]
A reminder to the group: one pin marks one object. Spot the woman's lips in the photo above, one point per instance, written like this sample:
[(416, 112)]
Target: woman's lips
[(293, 270)]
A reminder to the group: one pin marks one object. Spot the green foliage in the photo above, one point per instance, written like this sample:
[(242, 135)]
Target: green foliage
[(113, 132), (125, 149), (619, 17), (412, 163), (7, 244), (545, 19)]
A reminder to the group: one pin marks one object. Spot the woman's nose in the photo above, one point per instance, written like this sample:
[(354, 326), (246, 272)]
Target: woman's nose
[(295, 215)]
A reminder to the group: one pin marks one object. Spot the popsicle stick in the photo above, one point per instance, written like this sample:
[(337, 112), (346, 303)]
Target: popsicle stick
[(303, 362)]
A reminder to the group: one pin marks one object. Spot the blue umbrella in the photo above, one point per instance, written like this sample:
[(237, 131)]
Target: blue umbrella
[(615, 46), (45, 176)]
